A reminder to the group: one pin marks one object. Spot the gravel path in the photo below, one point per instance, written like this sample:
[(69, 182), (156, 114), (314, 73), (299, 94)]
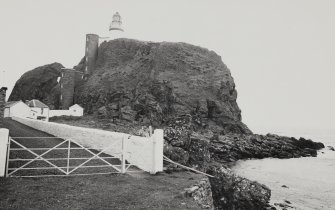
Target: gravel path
[(17, 129)]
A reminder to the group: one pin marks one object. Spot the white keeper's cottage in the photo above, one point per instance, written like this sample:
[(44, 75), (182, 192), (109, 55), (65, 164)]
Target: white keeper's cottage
[(38, 110), (16, 109), (76, 110)]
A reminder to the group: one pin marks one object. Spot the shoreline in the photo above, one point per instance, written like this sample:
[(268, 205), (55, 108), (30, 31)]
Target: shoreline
[(296, 183)]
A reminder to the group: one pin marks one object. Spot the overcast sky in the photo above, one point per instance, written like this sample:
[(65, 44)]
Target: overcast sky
[(281, 53)]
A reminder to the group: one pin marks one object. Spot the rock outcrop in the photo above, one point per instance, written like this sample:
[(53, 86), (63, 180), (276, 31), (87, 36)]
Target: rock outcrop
[(154, 82), (230, 148), (39, 83), (230, 191), (187, 144)]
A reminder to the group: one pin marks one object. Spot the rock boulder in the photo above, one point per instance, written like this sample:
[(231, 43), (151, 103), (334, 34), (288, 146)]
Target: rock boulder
[(39, 83)]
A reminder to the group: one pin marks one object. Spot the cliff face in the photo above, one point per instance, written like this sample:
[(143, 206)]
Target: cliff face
[(154, 82), (39, 83)]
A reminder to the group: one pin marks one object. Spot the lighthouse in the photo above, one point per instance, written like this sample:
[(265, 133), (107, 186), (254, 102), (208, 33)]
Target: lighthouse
[(115, 28), (116, 23)]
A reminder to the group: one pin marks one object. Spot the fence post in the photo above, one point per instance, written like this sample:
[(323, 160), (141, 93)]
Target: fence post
[(68, 157), (4, 141), (158, 144), (123, 158)]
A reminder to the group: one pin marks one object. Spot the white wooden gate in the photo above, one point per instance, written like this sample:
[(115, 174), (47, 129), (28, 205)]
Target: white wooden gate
[(53, 156)]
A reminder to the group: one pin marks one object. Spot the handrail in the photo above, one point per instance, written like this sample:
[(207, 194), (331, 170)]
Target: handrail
[(188, 168)]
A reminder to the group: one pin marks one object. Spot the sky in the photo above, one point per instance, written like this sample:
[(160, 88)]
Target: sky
[(280, 52)]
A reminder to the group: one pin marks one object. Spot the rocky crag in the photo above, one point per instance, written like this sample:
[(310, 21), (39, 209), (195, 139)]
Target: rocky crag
[(154, 82), (146, 82), (184, 89), (39, 83), (188, 144)]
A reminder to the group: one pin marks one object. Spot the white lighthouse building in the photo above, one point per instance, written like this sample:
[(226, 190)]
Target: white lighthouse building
[(116, 23), (115, 28)]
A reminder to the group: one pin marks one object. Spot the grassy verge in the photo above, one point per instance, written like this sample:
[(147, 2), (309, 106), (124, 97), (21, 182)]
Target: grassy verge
[(141, 191)]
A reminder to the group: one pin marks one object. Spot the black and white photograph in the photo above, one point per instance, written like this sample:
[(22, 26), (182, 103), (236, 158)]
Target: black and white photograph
[(167, 105)]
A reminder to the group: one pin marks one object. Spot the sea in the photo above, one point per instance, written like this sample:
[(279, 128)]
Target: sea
[(302, 183)]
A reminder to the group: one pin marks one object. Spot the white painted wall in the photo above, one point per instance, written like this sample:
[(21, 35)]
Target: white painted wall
[(42, 112), (74, 110), (19, 109), (77, 113), (54, 113), (6, 112), (33, 115), (145, 153), (3, 150)]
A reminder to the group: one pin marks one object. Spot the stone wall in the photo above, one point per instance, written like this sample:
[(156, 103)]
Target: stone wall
[(2, 103), (201, 194), (91, 52), (70, 78), (145, 153), (67, 88)]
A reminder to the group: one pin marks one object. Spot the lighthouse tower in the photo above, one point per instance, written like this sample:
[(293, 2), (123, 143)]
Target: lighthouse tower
[(115, 28), (116, 23)]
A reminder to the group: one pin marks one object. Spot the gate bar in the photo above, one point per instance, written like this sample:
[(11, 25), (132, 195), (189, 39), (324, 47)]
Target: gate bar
[(39, 137), (97, 166), (60, 148), (19, 159)]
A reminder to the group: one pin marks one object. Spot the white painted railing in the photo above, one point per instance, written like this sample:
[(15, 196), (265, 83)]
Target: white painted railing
[(144, 152)]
